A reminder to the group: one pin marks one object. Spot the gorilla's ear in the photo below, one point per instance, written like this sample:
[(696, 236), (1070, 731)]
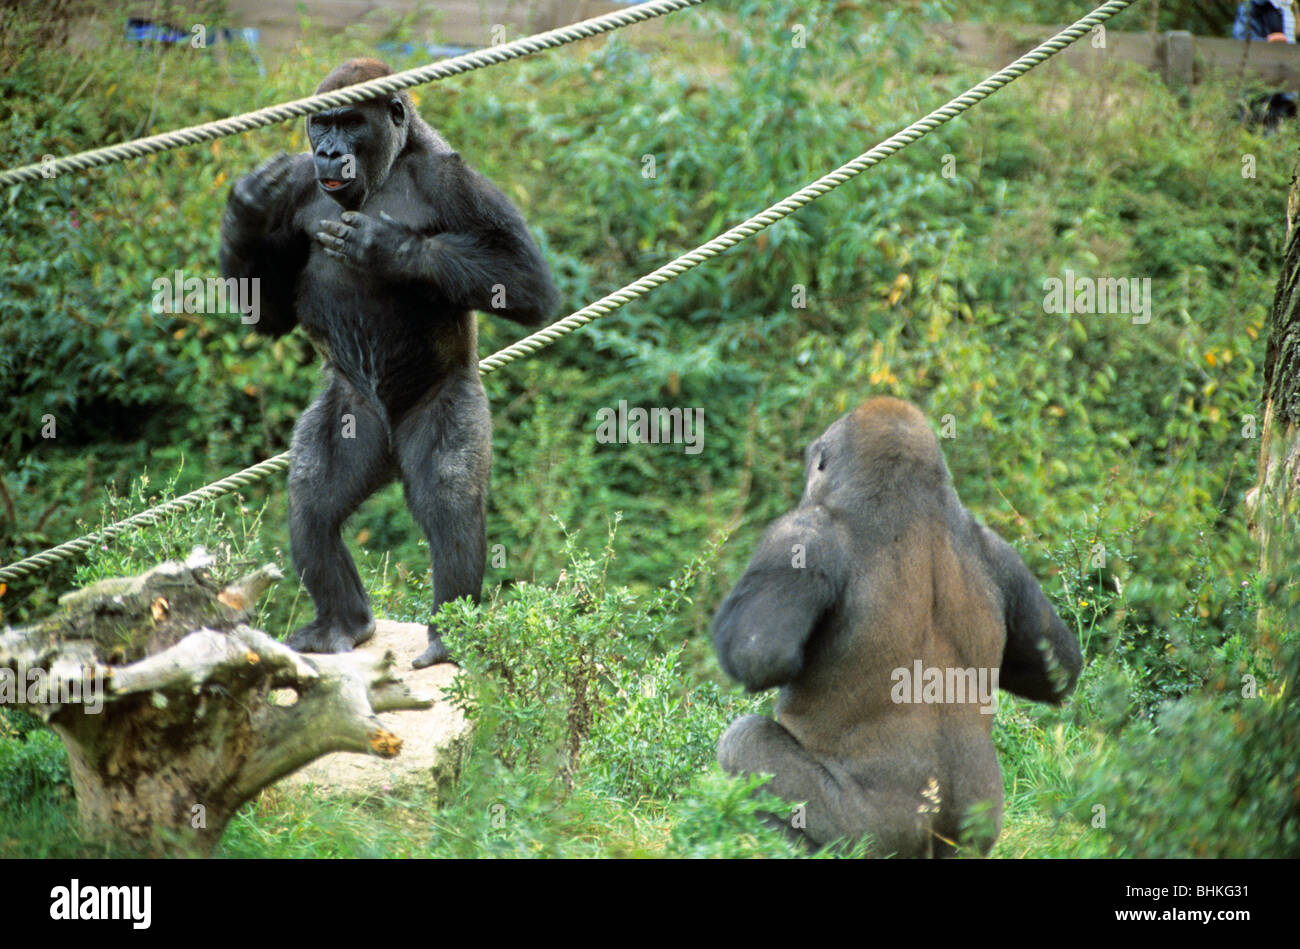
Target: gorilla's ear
[(397, 111), (796, 576), (1041, 659)]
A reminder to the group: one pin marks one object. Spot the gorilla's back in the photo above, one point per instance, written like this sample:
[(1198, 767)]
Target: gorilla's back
[(913, 598)]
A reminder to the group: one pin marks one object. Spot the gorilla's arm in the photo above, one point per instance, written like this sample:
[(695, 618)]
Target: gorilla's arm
[(482, 258), (1041, 659), (259, 240), (796, 576)]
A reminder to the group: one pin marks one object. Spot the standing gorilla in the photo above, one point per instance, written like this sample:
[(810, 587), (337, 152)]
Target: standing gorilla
[(878, 572), (379, 243)]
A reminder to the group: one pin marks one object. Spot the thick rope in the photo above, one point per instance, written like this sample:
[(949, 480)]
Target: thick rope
[(384, 86), (69, 549), (895, 143), (544, 337)]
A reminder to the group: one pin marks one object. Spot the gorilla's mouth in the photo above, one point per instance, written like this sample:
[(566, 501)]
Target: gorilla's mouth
[(333, 184)]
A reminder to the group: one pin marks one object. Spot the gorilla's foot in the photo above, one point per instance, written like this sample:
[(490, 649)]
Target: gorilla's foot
[(318, 636), (363, 634), (436, 653)]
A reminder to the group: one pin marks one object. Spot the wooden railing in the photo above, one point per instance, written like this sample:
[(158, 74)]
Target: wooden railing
[(1180, 57)]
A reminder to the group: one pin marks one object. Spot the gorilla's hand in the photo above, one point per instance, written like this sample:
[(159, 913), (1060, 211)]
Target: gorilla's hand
[(256, 195), (376, 244)]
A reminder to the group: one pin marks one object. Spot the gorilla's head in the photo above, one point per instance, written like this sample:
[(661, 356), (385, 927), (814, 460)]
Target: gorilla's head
[(354, 146), (882, 450)]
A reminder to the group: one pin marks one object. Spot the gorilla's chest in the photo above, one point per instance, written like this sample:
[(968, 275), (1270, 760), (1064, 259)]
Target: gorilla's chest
[(391, 340)]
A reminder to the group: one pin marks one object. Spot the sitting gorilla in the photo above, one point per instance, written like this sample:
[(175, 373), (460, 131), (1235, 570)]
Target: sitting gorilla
[(877, 574), (380, 242)]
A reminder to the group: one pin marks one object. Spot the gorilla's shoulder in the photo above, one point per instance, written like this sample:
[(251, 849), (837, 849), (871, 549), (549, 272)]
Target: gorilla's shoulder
[(462, 193), (438, 175)]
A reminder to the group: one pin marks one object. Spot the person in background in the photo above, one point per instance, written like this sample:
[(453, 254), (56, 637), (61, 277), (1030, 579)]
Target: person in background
[(1272, 21), (1265, 20)]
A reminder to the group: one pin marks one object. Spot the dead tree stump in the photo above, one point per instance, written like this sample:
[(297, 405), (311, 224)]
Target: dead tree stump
[(162, 694)]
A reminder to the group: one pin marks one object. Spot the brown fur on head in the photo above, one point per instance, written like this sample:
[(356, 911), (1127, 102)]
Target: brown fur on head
[(353, 72), (887, 425), (882, 449), (362, 69)]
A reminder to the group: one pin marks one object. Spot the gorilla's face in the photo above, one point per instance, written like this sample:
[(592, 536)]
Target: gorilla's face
[(354, 147)]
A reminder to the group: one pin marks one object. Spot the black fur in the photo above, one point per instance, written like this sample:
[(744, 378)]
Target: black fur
[(379, 244)]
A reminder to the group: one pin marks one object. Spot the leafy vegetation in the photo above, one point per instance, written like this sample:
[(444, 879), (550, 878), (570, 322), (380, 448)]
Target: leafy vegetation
[(1113, 453)]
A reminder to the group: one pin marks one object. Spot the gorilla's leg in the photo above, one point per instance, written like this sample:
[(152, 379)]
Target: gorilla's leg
[(837, 804), (339, 457), (444, 451)]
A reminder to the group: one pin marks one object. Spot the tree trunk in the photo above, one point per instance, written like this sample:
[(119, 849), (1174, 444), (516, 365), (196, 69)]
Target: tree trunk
[(1277, 501), (1271, 779)]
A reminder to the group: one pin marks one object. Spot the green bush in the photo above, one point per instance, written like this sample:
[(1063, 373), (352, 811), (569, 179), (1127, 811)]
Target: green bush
[(575, 677), (1214, 775), (33, 766)]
